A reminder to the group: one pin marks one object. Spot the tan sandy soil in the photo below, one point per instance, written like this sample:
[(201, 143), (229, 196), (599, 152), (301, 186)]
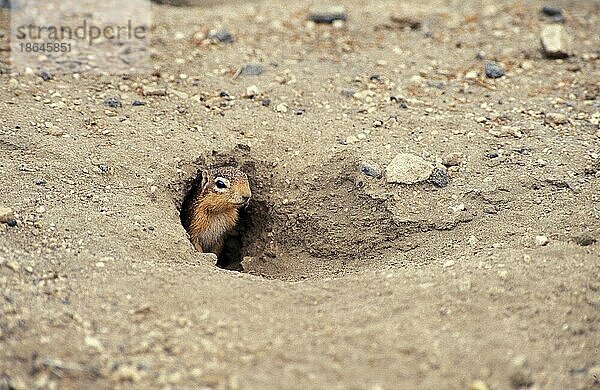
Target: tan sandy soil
[(349, 282)]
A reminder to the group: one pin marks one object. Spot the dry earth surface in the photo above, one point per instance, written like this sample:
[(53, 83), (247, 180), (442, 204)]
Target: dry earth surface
[(491, 281)]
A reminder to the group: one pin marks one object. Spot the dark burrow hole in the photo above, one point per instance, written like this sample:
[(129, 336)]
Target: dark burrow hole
[(250, 236), (329, 218)]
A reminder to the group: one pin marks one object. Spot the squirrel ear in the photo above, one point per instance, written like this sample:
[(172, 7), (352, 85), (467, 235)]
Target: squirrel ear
[(204, 179)]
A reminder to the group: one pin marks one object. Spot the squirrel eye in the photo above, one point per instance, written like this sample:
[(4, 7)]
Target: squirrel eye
[(220, 184)]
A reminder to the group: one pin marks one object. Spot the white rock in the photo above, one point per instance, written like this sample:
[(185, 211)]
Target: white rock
[(554, 41), (93, 342), (407, 168), (351, 139), (281, 108), (541, 240), (556, 118), (154, 91), (252, 91), (458, 207), (449, 263)]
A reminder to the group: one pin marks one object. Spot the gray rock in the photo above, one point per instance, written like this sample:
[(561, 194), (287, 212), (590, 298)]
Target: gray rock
[(555, 14), (222, 35), (112, 102), (585, 240), (46, 76), (407, 168), (439, 177), (251, 70), (493, 70), (327, 14), (371, 169), (554, 41)]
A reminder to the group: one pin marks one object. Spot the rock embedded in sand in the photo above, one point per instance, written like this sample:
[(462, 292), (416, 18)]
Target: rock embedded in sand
[(541, 240), (452, 159), (556, 118), (327, 14), (371, 169), (6, 215), (407, 168), (554, 41), (154, 91), (251, 70)]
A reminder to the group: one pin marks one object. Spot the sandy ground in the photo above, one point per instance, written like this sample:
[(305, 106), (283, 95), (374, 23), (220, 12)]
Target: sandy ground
[(349, 281)]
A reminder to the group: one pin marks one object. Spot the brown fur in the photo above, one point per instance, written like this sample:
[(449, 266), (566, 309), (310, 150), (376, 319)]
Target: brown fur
[(213, 212)]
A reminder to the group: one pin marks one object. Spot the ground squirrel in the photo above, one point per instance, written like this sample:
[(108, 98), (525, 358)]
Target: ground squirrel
[(212, 209)]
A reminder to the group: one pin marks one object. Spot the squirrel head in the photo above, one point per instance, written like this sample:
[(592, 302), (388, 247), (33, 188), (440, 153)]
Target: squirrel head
[(224, 189)]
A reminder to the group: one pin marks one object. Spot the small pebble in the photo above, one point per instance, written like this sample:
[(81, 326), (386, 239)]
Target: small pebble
[(351, 139), (554, 41), (266, 102), (13, 265), (493, 70), (327, 14), (6, 215), (371, 169), (448, 263), (252, 91), (112, 102), (541, 240), (585, 240), (154, 91), (46, 76), (478, 385), (251, 70), (281, 107), (556, 118), (222, 35), (452, 159), (459, 207), (402, 22), (555, 14), (137, 103), (439, 177)]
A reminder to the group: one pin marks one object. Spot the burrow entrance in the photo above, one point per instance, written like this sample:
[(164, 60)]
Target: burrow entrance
[(323, 220)]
